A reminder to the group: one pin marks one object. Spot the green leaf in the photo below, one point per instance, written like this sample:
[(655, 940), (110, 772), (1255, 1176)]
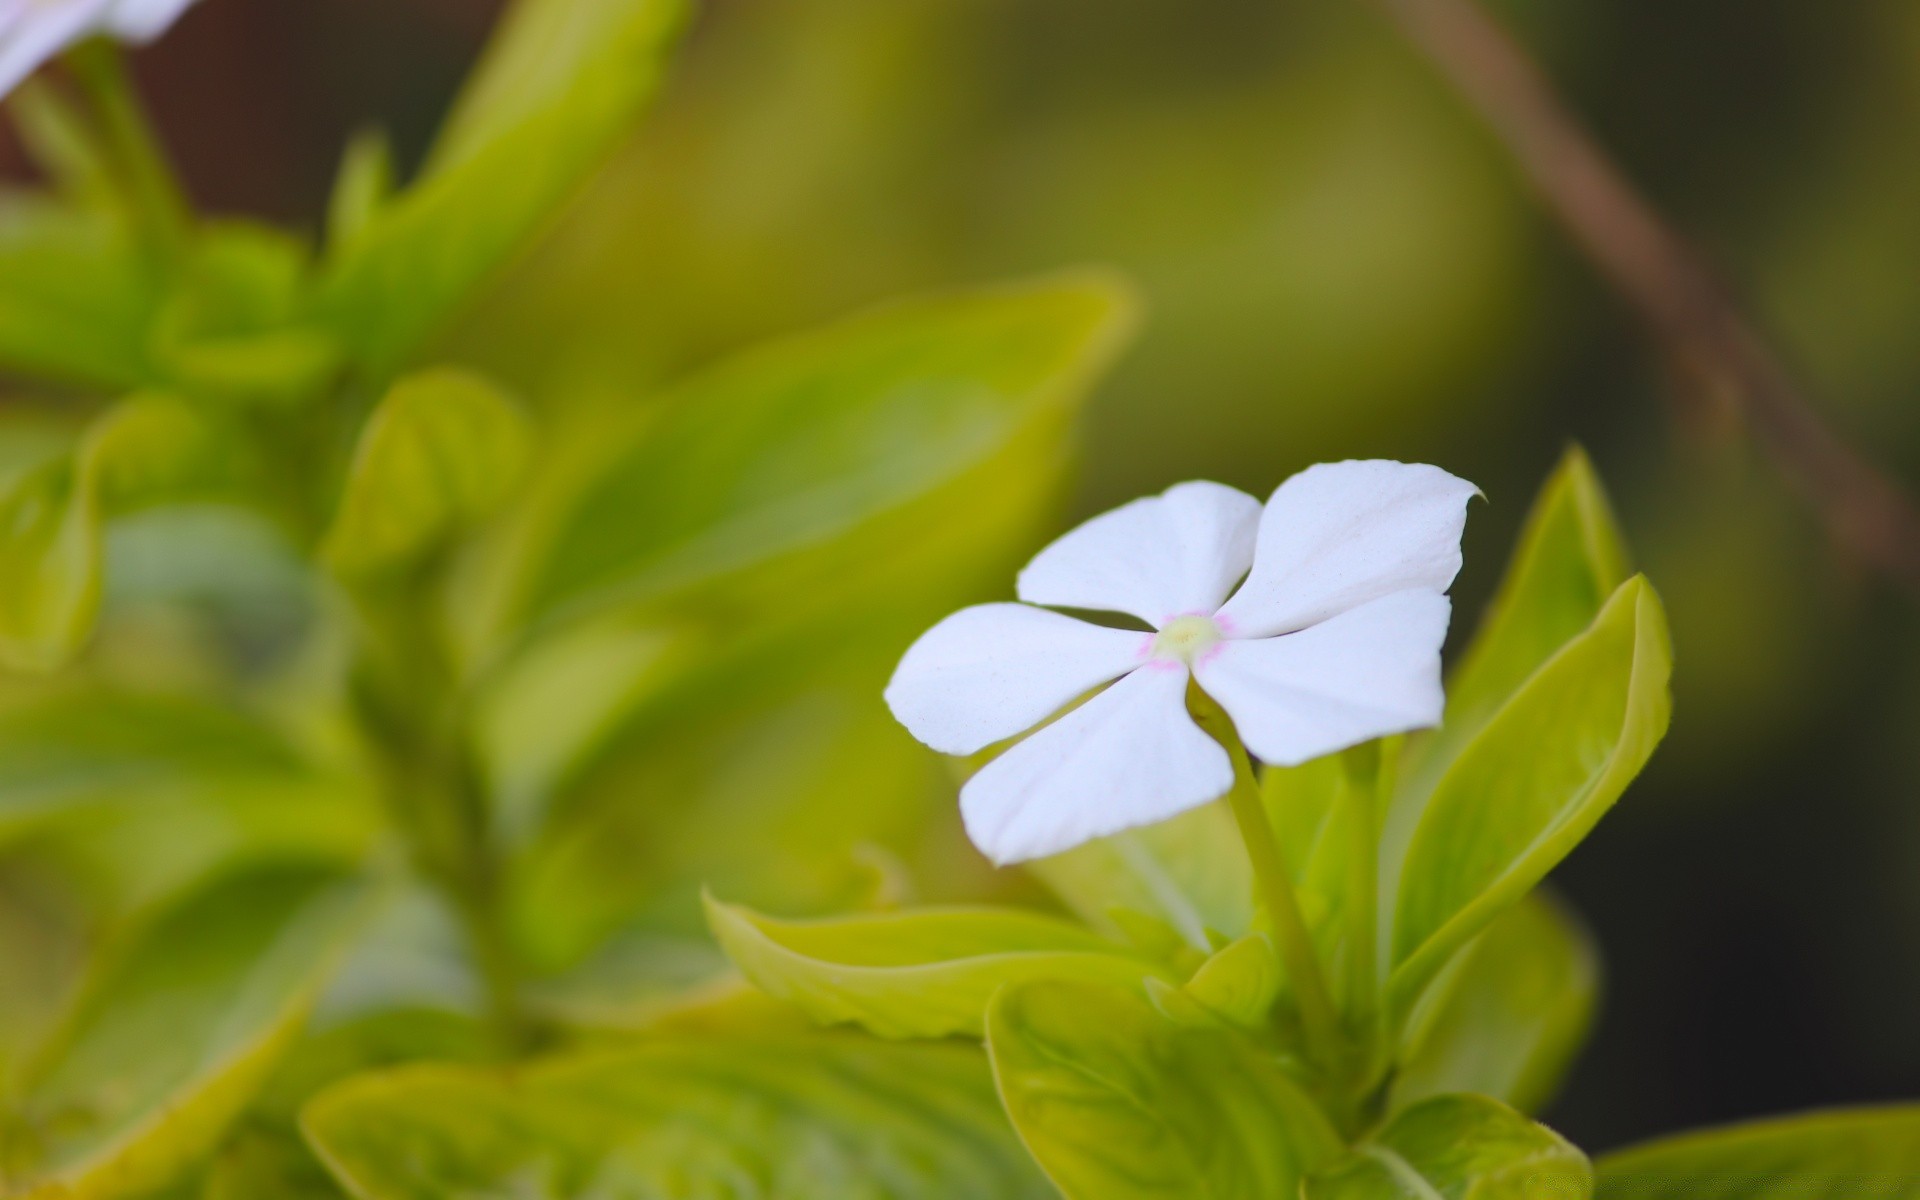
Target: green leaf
[(1240, 983), (364, 186), (50, 552), (444, 448), (175, 1030), (76, 296), (85, 751), (1570, 558), (1857, 1154), (561, 84), (235, 322), (1191, 873), (145, 450), (1458, 1148), (927, 973), (1115, 1099), (1533, 783), (42, 949), (1507, 1017), (747, 1118), (898, 426)]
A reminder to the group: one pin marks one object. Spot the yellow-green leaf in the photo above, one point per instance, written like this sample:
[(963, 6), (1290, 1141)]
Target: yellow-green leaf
[(443, 449), (174, 1031), (1115, 1099), (1532, 784), (1505, 1019), (924, 973), (560, 85), (1458, 1147), (825, 1117), (1858, 1154)]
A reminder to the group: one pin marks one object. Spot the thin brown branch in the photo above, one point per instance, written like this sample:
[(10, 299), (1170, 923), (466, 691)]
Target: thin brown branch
[(1689, 310)]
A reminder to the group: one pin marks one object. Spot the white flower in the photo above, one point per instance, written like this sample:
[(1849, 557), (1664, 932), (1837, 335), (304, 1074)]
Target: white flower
[(33, 31), (1332, 640)]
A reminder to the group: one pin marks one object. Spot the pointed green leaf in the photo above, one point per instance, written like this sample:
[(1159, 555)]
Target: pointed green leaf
[(443, 449), (175, 1030), (1115, 1099), (925, 973), (561, 84), (363, 187), (1532, 784), (1507, 1016), (1570, 558), (870, 426), (794, 1118), (1857, 1154), (1458, 1148)]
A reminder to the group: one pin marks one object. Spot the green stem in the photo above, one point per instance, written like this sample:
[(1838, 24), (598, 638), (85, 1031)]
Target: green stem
[(408, 703), (160, 202), (1363, 780), (1318, 1017)]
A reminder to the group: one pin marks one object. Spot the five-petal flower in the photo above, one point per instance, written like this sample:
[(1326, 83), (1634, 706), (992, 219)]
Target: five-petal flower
[(33, 31), (1332, 639)]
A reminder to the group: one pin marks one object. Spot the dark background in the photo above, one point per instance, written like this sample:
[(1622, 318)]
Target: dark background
[(1338, 262)]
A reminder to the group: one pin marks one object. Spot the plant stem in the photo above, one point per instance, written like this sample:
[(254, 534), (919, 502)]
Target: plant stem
[(1362, 766), (1297, 954), (159, 201), (408, 703)]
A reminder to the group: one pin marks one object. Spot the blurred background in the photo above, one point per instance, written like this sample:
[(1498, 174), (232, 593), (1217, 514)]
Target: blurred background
[(1338, 262)]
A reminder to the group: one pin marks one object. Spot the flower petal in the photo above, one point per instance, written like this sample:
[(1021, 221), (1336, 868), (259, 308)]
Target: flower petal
[(145, 20), (988, 672), (1129, 756), (1340, 534), (1156, 558), (1366, 673), (30, 34)]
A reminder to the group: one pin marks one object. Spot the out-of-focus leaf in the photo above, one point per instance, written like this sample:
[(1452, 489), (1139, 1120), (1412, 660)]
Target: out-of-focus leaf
[(562, 82), (765, 799), (175, 1030), (147, 449), (42, 950), (76, 296), (1857, 1154), (89, 747), (364, 186), (799, 1118), (1240, 983), (1532, 784), (444, 448), (1468, 1147), (1507, 1017), (235, 323), (1115, 1099), (1190, 872), (889, 426), (928, 973), (49, 566), (63, 143)]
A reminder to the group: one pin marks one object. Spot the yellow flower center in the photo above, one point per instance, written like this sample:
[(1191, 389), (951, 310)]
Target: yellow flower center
[(1185, 639)]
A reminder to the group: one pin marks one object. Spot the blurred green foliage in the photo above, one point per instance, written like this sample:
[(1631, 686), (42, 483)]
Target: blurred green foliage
[(406, 600)]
